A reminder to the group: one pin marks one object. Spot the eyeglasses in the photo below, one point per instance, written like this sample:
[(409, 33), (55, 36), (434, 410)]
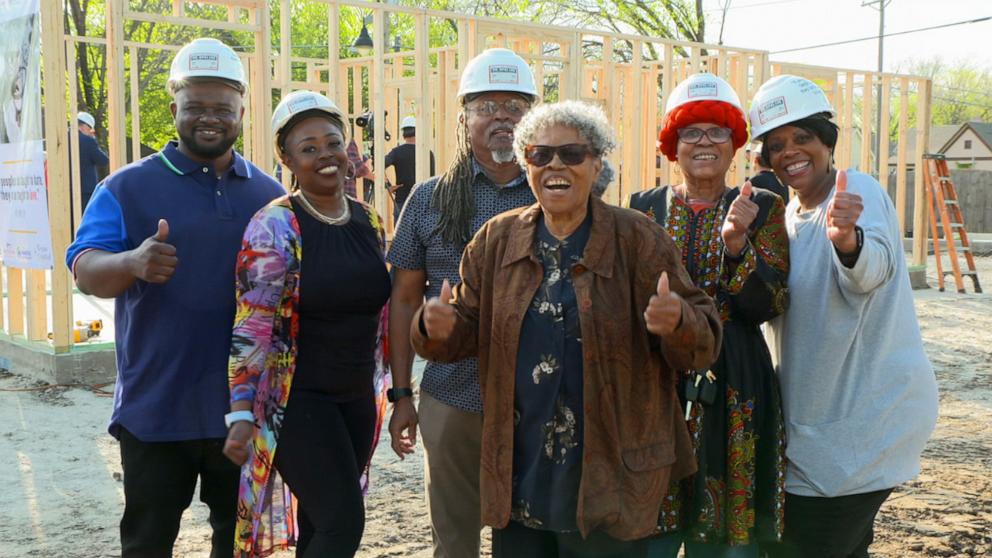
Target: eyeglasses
[(570, 154), (513, 107), (694, 135)]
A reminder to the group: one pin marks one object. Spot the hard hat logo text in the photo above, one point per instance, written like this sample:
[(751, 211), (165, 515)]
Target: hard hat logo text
[(702, 90), (299, 105), (503, 74), (774, 108), (204, 61)]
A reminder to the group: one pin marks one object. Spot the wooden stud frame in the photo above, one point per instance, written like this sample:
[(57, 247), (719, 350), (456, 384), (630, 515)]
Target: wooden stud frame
[(632, 92)]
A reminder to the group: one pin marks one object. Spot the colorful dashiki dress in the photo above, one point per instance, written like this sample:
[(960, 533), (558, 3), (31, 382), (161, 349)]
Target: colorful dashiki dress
[(737, 495), (261, 367)]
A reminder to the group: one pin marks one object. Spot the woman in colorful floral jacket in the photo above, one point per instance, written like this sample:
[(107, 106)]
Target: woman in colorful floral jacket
[(308, 352)]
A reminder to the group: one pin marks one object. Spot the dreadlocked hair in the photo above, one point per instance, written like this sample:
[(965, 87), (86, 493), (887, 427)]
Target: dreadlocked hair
[(453, 197)]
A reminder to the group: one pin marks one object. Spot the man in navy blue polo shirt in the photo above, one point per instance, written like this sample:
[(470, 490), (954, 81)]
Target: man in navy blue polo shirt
[(162, 235)]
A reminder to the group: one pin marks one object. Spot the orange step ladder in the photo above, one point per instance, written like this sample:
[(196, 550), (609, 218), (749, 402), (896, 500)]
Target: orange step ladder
[(942, 197)]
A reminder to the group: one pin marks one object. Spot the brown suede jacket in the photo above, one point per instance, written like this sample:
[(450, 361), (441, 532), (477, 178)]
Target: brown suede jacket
[(635, 440)]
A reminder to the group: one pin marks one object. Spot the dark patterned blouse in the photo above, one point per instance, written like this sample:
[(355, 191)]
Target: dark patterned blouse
[(547, 436)]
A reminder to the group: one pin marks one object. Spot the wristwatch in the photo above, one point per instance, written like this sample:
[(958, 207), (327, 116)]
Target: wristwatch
[(395, 394)]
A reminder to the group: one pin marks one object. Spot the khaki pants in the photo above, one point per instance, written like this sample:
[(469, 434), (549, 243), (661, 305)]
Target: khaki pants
[(452, 446)]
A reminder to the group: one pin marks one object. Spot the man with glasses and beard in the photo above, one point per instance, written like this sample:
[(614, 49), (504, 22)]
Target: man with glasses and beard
[(441, 216), (161, 236)]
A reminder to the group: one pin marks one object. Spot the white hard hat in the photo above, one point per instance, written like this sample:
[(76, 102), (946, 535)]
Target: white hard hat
[(297, 102), (207, 57), (409, 122), (497, 69), (86, 118), (784, 99), (703, 87)]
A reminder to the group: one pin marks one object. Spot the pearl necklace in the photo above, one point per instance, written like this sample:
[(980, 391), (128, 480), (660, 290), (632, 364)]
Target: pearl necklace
[(339, 220)]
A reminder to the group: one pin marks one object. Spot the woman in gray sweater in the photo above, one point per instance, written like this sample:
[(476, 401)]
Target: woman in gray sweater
[(859, 395)]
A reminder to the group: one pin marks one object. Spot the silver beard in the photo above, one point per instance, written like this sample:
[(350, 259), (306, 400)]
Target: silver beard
[(503, 156)]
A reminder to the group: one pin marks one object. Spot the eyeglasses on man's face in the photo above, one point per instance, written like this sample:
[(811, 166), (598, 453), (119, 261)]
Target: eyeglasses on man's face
[(695, 135), (513, 107)]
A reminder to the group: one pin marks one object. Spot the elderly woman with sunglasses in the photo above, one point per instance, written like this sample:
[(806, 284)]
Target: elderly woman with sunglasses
[(733, 242), (580, 313)]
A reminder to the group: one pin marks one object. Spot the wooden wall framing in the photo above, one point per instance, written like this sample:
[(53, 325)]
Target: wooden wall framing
[(629, 76)]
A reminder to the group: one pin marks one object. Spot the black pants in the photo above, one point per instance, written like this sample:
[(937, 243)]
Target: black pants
[(159, 480), (517, 541), (841, 527), (323, 447)]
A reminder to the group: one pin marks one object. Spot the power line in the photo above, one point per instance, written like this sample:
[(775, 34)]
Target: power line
[(957, 102), (756, 5), (962, 90), (875, 37)]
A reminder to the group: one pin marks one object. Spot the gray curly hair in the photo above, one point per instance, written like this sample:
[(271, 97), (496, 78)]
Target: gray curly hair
[(586, 118)]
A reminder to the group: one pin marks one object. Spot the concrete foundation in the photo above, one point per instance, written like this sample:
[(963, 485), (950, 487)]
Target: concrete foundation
[(918, 277), (85, 364)]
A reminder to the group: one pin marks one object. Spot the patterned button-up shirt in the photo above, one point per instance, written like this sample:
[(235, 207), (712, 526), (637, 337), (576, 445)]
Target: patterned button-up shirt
[(547, 402), (417, 245)]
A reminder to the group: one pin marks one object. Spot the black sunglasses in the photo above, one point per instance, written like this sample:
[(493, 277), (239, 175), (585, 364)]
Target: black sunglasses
[(570, 154)]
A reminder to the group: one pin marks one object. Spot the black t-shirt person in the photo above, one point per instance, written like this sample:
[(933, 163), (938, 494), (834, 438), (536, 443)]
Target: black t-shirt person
[(404, 158)]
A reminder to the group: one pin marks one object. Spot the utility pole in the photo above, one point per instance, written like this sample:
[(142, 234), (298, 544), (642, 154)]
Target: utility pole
[(876, 145), (723, 19)]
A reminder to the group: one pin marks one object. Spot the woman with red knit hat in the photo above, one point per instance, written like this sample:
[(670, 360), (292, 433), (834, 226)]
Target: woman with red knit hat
[(735, 247)]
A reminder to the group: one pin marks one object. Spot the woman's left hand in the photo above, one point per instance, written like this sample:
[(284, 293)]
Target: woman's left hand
[(842, 216), (664, 311), (741, 214), (236, 445)]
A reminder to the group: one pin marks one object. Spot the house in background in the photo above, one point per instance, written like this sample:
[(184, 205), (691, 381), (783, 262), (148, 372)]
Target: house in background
[(966, 146), (970, 147), (939, 135)]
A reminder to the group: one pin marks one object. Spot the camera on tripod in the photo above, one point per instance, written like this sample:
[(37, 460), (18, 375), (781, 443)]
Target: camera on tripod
[(366, 122)]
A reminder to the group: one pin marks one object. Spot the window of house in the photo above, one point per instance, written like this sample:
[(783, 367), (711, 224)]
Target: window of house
[(967, 144)]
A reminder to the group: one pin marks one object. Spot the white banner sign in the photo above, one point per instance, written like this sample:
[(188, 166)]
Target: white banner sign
[(25, 239), (24, 206), (15, 9)]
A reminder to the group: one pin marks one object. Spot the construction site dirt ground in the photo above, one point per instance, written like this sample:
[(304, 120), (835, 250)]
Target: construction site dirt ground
[(62, 495)]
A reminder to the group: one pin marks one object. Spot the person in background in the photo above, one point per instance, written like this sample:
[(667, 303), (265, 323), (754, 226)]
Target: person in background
[(581, 314), (403, 158), (441, 215), (307, 361), (733, 243), (91, 156), (162, 235), (359, 169), (859, 394), (762, 174)]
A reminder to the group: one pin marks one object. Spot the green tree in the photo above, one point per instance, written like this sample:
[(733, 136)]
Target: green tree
[(675, 19), (962, 91)]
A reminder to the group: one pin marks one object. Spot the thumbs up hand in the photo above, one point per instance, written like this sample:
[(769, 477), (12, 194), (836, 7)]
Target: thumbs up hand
[(664, 311), (739, 217), (842, 216), (439, 315), (154, 260)]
